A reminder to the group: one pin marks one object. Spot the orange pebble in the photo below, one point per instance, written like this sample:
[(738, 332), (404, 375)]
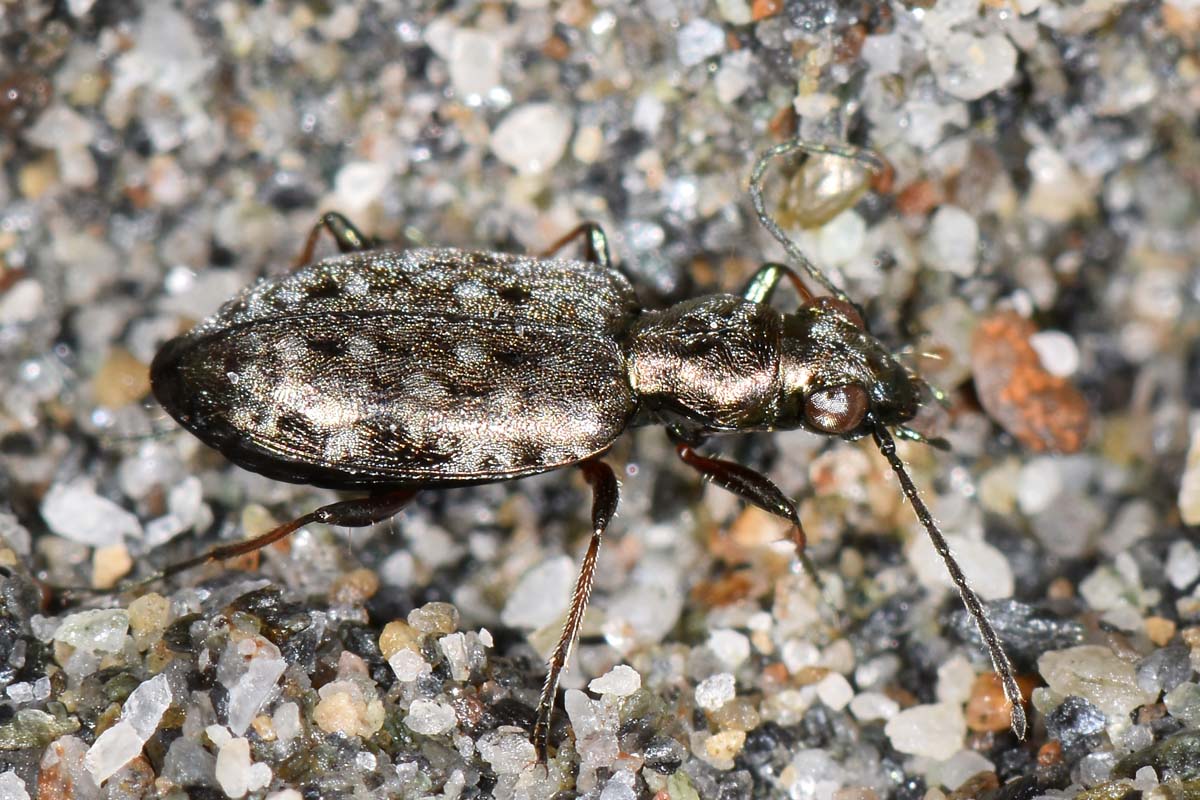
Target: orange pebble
[(1050, 753), (1042, 410)]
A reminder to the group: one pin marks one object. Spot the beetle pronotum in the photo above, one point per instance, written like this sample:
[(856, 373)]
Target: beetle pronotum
[(391, 372)]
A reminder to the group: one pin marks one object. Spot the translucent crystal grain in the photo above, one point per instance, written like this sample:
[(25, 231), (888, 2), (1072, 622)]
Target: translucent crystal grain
[(540, 597), (12, 787), (1097, 675), (236, 773), (699, 40), (74, 511), (532, 138), (252, 688), (952, 241), (715, 691), (870, 706), (112, 750), (408, 665), (1183, 702), (99, 630), (935, 731), (620, 681), (968, 67), (507, 749), (835, 691), (430, 717)]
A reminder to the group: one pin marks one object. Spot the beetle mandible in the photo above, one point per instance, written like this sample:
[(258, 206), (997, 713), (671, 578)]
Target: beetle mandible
[(390, 372)]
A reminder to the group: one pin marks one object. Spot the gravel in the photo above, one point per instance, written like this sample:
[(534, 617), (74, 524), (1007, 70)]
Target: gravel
[(1031, 252)]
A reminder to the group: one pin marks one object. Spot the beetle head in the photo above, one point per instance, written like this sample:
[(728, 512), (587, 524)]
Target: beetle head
[(837, 378)]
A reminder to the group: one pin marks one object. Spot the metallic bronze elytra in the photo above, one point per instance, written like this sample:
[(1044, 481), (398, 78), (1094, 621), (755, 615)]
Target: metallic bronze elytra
[(391, 372)]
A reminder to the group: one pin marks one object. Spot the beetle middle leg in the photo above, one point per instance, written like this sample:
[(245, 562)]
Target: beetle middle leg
[(753, 487), (349, 239), (868, 158), (604, 506), (357, 513), (595, 244)]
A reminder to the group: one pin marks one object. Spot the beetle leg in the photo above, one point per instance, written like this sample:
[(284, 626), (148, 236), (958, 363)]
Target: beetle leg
[(756, 489), (595, 244), (868, 158), (356, 513), (604, 506), (348, 238), (762, 284)]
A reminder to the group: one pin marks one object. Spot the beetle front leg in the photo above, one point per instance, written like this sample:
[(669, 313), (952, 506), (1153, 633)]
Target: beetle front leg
[(604, 506), (348, 238), (753, 487), (595, 244), (761, 287)]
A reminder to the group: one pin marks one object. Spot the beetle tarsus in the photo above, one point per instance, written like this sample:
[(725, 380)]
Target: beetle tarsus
[(349, 239), (595, 244), (604, 505)]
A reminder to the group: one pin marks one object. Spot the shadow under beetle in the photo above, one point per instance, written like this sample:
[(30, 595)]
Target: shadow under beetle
[(391, 372)]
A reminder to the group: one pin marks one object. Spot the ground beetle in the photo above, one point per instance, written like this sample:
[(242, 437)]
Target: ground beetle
[(391, 372)]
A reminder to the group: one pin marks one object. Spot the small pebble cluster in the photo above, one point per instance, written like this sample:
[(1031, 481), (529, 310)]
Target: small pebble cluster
[(1031, 251)]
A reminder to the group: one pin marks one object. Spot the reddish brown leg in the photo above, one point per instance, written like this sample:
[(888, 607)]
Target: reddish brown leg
[(348, 238), (595, 244), (604, 506), (763, 283), (356, 513), (754, 488)]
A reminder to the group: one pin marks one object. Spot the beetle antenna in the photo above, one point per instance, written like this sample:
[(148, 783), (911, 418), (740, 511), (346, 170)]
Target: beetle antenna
[(864, 157), (1000, 661)]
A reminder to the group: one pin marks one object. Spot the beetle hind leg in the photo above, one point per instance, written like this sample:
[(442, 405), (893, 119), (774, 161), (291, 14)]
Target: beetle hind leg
[(604, 506), (357, 513)]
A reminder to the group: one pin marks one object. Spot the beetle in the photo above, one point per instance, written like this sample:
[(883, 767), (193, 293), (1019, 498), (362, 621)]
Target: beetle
[(395, 371)]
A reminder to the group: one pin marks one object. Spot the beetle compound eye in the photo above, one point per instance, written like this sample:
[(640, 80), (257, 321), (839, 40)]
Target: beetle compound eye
[(837, 410), (843, 309)]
